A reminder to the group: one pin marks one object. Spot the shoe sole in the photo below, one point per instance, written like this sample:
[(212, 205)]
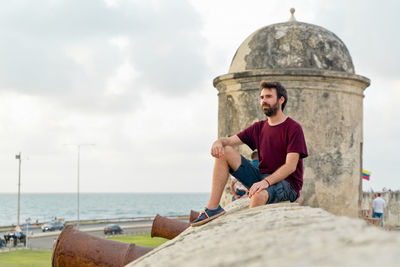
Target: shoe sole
[(207, 220)]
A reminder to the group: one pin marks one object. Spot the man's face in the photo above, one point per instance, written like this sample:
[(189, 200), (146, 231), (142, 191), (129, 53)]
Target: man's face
[(269, 101)]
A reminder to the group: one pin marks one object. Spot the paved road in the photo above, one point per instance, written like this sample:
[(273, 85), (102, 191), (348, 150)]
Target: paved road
[(46, 240), (40, 240), (84, 227)]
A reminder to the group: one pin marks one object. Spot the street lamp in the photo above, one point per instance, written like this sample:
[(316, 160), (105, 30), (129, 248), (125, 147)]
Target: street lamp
[(79, 155), (18, 157)]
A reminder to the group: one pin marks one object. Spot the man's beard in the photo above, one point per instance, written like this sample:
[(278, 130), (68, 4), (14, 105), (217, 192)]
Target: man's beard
[(270, 110)]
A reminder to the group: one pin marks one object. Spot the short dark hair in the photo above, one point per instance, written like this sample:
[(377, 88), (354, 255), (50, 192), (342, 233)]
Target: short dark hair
[(379, 194), (254, 155), (280, 90)]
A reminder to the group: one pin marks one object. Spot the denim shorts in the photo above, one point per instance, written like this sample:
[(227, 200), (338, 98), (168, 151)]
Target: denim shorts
[(248, 174)]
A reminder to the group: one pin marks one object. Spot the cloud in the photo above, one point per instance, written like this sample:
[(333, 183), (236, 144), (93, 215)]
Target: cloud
[(381, 133), (164, 146), (135, 78), (375, 27), (66, 50)]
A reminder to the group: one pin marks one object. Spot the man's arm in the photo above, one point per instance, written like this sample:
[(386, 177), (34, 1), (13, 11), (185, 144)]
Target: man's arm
[(217, 149), (281, 173), (232, 187)]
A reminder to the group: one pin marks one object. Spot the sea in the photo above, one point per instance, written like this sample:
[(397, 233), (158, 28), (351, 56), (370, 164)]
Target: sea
[(44, 207)]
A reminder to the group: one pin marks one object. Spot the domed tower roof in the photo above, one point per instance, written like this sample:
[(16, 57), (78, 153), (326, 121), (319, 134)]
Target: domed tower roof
[(292, 45)]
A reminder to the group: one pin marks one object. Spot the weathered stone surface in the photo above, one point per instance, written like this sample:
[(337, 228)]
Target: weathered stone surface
[(292, 45), (278, 235)]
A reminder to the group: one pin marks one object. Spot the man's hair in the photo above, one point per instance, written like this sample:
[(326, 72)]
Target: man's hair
[(280, 90), (254, 155), (379, 194)]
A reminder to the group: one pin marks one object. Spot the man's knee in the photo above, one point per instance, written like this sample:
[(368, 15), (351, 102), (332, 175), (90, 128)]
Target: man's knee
[(259, 199), (262, 196), (232, 157), (229, 150)]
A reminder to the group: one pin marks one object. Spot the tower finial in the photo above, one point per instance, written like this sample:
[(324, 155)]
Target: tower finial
[(292, 18)]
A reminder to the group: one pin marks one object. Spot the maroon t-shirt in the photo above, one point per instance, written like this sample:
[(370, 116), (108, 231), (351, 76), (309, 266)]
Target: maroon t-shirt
[(273, 143)]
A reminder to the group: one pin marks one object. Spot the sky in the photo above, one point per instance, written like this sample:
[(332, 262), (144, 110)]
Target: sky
[(131, 82)]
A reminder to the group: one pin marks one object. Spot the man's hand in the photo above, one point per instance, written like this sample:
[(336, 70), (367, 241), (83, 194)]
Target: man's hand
[(284, 171), (217, 149), (258, 187)]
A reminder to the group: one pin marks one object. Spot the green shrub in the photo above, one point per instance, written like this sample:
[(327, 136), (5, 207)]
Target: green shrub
[(144, 240)]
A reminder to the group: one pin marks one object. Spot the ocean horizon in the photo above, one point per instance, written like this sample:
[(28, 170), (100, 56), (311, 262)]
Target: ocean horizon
[(43, 207)]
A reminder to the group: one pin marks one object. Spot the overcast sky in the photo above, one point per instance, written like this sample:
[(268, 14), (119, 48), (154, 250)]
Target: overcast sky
[(135, 79)]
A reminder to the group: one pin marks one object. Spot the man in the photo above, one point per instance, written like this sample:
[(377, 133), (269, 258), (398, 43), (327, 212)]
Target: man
[(281, 148), (378, 205), (237, 189), (254, 158)]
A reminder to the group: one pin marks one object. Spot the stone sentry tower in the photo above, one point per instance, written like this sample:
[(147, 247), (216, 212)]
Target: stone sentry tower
[(325, 96)]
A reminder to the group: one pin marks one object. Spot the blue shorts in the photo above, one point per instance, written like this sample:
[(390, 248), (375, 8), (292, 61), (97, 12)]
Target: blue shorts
[(248, 174)]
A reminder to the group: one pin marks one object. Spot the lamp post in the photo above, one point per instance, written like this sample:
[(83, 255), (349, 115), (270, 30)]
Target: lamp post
[(18, 157), (78, 176)]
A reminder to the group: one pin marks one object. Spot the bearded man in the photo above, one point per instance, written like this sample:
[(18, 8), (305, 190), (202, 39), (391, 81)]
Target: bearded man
[(281, 148)]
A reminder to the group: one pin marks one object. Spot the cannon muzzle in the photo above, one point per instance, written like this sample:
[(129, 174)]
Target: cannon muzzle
[(76, 248), (193, 215), (167, 228)]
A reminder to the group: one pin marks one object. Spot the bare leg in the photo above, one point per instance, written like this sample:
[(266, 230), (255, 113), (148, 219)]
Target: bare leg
[(259, 199), (221, 173)]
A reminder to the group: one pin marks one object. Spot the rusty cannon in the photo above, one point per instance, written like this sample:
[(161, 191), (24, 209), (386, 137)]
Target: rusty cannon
[(76, 248), (193, 215), (167, 228)]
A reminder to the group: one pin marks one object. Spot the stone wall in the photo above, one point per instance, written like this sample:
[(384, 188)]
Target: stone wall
[(281, 234), (391, 214)]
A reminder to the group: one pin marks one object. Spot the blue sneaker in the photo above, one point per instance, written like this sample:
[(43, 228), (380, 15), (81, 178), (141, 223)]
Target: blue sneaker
[(208, 215)]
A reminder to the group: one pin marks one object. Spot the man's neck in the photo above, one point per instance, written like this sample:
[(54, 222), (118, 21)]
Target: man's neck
[(278, 118)]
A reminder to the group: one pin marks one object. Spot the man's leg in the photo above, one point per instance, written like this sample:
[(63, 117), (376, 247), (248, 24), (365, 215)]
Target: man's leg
[(259, 199), (281, 191), (380, 216), (231, 159)]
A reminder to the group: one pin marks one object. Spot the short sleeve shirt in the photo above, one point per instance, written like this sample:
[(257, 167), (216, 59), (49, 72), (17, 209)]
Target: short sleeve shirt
[(273, 143)]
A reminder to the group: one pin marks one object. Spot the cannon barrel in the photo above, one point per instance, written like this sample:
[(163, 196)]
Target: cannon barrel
[(167, 228), (76, 248)]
